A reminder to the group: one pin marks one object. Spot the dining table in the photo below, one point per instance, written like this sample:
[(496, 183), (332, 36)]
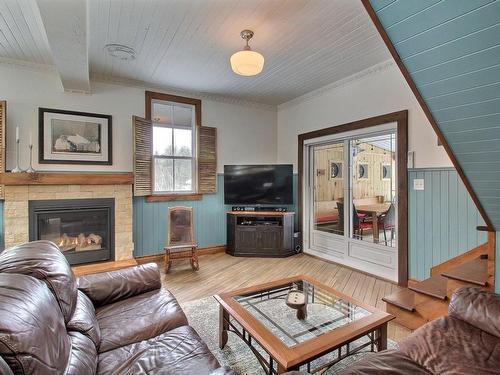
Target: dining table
[(374, 210)]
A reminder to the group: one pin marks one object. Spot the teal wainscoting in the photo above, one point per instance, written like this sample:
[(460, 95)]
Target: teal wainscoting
[(497, 265), (150, 220), (2, 237), (442, 220)]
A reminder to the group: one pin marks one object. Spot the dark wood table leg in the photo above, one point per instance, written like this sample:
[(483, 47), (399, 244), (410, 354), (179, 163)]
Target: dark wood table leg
[(223, 326), (382, 337)]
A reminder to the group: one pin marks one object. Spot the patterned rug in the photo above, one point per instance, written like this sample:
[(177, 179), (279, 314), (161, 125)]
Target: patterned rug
[(203, 316)]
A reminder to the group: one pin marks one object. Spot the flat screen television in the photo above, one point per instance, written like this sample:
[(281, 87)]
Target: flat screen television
[(258, 184)]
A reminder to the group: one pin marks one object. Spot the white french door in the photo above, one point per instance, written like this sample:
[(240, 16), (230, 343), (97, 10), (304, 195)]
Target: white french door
[(349, 196)]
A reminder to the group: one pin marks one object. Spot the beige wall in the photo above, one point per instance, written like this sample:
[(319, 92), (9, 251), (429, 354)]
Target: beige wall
[(246, 133), (377, 91)]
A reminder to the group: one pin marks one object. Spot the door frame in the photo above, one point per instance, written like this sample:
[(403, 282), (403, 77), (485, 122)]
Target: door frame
[(401, 119)]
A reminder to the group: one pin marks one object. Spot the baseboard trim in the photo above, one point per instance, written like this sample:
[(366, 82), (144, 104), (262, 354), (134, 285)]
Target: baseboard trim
[(201, 251), (87, 269)]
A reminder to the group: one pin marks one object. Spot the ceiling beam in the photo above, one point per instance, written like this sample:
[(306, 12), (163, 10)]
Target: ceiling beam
[(65, 23)]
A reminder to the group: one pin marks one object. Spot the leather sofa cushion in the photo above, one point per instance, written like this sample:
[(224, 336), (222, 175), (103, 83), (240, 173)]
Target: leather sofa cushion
[(44, 261), (179, 351), (83, 356), (478, 308), (33, 337), (451, 346), (84, 319), (138, 318), (389, 362), (107, 287)]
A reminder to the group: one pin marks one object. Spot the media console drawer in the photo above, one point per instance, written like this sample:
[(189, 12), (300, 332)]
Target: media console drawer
[(260, 234)]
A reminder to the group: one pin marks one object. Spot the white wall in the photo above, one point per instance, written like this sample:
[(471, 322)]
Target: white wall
[(246, 134), (382, 91)]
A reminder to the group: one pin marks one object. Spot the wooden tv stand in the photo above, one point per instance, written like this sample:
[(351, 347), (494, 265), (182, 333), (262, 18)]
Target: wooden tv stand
[(260, 233)]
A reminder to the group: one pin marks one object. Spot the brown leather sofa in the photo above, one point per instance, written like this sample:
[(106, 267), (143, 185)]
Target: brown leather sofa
[(120, 322), (467, 341)]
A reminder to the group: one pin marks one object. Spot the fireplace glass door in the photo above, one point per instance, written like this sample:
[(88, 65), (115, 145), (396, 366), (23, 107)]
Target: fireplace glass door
[(82, 232)]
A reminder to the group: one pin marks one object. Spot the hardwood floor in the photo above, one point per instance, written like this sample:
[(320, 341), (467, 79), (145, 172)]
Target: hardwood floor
[(221, 272)]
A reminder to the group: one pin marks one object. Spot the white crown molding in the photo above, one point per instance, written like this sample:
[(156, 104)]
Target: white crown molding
[(342, 82), (177, 91), (28, 65)]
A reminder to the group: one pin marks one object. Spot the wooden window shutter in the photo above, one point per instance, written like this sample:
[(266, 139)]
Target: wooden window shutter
[(3, 127), (207, 160), (143, 156)]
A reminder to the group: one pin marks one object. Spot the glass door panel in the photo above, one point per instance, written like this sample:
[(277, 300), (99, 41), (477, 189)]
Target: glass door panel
[(328, 179), (373, 181)]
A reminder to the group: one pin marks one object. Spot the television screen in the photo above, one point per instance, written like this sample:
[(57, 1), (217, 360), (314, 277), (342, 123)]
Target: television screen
[(258, 184)]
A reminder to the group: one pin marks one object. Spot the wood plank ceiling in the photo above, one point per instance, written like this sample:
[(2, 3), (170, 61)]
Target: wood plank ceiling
[(186, 44), (451, 50)]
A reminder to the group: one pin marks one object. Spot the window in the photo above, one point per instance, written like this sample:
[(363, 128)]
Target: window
[(174, 159)]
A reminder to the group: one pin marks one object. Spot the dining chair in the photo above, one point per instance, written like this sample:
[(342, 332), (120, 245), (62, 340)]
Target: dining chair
[(358, 225), (180, 240), (387, 222)]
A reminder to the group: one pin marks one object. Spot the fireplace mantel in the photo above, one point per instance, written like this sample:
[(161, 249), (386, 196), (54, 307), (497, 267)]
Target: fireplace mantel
[(61, 178)]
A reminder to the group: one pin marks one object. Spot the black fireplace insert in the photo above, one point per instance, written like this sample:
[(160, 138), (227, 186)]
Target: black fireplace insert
[(82, 228)]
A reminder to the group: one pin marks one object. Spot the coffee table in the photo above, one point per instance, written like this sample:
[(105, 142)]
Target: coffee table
[(335, 326)]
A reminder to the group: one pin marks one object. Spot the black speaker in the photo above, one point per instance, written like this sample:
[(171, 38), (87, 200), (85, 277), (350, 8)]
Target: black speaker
[(297, 242)]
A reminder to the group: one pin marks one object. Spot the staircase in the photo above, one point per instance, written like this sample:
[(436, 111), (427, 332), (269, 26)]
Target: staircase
[(427, 300)]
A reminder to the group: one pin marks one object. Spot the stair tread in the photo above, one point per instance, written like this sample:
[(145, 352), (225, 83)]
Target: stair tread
[(434, 286), (474, 272), (403, 298)]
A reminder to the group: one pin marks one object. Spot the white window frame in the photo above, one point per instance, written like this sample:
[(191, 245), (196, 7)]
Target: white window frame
[(172, 157)]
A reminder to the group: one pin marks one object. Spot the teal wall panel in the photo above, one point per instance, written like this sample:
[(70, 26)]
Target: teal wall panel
[(150, 220), (451, 49), (2, 238), (442, 220), (497, 268)]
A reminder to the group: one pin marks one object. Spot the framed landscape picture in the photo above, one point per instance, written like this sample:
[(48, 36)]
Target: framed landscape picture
[(69, 137)]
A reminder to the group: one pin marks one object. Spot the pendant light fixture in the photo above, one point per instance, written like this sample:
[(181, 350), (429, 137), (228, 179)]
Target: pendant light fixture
[(247, 62)]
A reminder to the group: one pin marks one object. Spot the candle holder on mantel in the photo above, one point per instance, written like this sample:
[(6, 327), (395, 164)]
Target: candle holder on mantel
[(31, 169), (17, 169)]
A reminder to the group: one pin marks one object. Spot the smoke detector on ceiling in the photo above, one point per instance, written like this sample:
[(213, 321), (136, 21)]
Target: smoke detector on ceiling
[(120, 51)]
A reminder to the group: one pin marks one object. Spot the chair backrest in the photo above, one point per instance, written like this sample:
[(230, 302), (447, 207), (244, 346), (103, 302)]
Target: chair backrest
[(340, 209), (180, 225), (390, 215)]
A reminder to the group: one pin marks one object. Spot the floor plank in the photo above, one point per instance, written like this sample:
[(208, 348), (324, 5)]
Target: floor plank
[(221, 272)]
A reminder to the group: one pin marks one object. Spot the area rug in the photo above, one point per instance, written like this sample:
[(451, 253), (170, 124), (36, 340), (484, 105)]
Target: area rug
[(203, 316)]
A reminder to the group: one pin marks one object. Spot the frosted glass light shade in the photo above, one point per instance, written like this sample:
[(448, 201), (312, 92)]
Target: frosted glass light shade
[(247, 63)]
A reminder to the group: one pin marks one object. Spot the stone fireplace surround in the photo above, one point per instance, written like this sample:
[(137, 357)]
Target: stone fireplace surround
[(16, 215)]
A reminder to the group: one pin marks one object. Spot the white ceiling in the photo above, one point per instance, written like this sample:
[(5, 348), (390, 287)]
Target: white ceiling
[(186, 44)]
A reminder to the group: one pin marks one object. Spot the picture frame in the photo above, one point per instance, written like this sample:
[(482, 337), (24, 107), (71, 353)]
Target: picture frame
[(71, 137)]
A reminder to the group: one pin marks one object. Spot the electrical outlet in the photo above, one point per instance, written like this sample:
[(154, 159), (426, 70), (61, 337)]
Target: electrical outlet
[(418, 184)]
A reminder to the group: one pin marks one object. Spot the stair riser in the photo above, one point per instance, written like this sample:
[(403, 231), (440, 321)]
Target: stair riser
[(411, 320), (421, 298)]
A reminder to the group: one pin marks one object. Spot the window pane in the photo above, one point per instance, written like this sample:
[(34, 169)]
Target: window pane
[(183, 175), (164, 179), (161, 113), (183, 142), (183, 115), (162, 141)]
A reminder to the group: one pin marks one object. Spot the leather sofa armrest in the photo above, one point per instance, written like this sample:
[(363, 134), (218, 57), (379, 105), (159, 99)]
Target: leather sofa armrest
[(477, 307), (223, 371), (4, 368), (107, 287)]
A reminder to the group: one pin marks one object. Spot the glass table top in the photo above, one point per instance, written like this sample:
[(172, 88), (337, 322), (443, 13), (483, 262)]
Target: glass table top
[(310, 311)]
